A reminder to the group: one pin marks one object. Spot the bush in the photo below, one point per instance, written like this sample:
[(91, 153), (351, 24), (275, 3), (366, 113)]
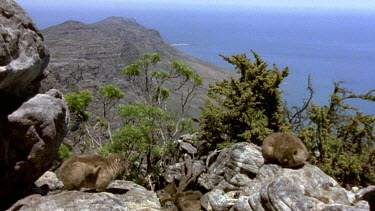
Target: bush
[(245, 108)]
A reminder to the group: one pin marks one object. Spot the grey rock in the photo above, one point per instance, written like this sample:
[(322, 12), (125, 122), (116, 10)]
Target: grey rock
[(246, 158), (362, 204), (189, 148), (218, 200), (35, 132), (140, 200), (310, 179), (340, 207), (187, 144), (120, 195), (239, 180), (234, 167), (71, 200), (282, 194), (243, 204), (186, 168), (50, 180), (255, 202), (127, 185), (178, 171), (23, 56), (216, 171), (366, 194)]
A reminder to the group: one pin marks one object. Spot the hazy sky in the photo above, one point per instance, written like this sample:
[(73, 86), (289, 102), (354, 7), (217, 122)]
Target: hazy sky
[(296, 4)]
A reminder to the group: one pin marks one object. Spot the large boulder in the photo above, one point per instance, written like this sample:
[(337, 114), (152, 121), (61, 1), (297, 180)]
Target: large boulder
[(31, 126), (238, 180), (120, 195), (35, 132), (23, 56)]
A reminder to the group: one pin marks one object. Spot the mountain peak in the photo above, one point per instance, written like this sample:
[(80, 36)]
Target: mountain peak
[(73, 23), (120, 21)]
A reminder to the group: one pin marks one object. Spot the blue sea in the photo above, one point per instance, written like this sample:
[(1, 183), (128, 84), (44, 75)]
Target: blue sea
[(329, 45)]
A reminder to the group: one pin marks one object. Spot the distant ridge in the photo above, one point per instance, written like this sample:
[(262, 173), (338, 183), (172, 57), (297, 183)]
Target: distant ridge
[(85, 56), (179, 44), (130, 22)]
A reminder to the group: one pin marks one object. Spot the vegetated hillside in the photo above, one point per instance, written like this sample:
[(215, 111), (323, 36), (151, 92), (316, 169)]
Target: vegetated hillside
[(89, 55)]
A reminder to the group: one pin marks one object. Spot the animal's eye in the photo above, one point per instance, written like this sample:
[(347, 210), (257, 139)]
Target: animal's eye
[(295, 152)]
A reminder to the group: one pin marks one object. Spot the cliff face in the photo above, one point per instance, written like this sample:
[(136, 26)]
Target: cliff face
[(31, 126)]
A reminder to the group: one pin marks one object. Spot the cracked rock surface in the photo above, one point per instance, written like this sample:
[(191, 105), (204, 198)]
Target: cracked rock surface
[(32, 125)]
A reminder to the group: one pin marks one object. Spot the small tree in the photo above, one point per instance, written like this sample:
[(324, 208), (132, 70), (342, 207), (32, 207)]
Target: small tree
[(247, 108), (152, 86), (342, 139), (110, 95), (91, 129), (149, 125), (78, 103)]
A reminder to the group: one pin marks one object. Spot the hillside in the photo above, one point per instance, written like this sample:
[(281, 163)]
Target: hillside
[(89, 55)]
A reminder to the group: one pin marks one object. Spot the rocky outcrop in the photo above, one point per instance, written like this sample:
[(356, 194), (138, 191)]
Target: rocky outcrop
[(238, 180), (23, 56), (31, 126), (120, 195)]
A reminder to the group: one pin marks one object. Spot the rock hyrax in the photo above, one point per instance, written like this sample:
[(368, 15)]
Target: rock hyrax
[(284, 149), (91, 171), (189, 201)]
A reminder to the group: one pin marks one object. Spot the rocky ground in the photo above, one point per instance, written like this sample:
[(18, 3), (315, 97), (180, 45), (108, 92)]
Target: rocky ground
[(235, 178)]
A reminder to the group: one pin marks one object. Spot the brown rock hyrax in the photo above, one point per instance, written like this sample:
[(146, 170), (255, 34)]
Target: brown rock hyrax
[(284, 149), (189, 201), (91, 171)]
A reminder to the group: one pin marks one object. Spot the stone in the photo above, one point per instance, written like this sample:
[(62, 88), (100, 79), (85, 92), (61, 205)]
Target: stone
[(49, 179), (23, 55), (282, 194), (239, 180), (120, 195), (26, 150), (35, 132), (234, 167)]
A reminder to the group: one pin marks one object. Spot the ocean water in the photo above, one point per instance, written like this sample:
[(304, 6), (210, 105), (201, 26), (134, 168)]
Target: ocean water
[(330, 46)]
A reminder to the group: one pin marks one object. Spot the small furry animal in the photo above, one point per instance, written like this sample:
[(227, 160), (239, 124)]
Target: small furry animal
[(189, 201), (171, 199), (91, 171), (284, 149)]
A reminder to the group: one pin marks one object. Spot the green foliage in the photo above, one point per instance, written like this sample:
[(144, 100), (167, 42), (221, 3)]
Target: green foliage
[(64, 152), (246, 108), (149, 125), (77, 103), (149, 84), (111, 92), (127, 139), (342, 139), (110, 95)]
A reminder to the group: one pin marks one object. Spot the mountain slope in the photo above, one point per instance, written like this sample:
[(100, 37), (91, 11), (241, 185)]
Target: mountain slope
[(98, 52), (86, 56)]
